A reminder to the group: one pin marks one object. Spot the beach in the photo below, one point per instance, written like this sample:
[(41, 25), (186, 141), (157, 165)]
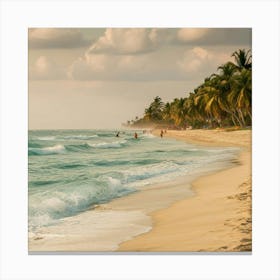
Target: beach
[(218, 217), (205, 210)]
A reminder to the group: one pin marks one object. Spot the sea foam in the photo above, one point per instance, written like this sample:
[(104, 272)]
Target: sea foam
[(76, 169), (104, 145), (57, 149), (68, 200)]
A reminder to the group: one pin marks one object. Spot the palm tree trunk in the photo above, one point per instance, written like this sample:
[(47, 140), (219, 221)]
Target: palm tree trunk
[(250, 115), (232, 118), (241, 117), (236, 117)]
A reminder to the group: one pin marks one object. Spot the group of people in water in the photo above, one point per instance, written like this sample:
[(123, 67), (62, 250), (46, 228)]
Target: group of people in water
[(135, 135), (144, 131)]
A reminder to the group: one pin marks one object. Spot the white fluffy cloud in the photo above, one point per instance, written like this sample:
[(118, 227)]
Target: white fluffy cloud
[(127, 54), (137, 54), (198, 59), (55, 38), (167, 64), (45, 69), (125, 41), (194, 59), (214, 36), (111, 67), (191, 34)]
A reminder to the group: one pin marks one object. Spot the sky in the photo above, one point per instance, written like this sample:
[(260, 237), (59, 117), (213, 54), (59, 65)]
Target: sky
[(87, 78)]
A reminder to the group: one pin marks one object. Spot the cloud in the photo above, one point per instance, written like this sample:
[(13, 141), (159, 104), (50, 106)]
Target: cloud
[(143, 54), (133, 41), (193, 60), (168, 64), (45, 69), (125, 41), (110, 67), (56, 38), (214, 36), (191, 34), (199, 59)]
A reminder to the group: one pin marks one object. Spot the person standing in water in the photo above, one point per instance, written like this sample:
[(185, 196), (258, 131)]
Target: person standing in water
[(135, 135), (161, 133)]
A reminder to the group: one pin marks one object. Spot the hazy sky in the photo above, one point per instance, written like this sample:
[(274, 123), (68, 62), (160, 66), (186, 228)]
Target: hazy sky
[(100, 78)]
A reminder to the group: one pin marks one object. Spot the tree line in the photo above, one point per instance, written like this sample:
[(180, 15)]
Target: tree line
[(223, 99)]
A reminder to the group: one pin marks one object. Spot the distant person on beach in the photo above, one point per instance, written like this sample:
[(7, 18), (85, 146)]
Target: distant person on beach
[(161, 133), (118, 134), (135, 135)]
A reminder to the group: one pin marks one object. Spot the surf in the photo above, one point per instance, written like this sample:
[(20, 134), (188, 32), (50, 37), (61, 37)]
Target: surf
[(72, 171), (57, 149)]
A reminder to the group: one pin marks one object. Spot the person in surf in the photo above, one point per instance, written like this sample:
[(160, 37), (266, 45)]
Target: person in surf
[(135, 135), (118, 134)]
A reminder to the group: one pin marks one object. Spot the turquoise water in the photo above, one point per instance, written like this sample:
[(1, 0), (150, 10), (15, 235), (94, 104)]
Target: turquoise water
[(72, 170)]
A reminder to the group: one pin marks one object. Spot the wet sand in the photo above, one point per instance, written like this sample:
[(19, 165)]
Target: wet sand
[(214, 215), (218, 216)]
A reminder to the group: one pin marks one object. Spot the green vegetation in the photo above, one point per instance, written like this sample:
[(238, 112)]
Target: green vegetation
[(223, 100)]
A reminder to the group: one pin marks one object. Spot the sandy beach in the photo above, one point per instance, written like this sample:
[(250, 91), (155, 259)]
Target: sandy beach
[(218, 216), (211, 212)]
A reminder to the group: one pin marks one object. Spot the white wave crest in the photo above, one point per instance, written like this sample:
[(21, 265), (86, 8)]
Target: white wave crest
[(46, 138), (79, 137), (51, 206), (104, 145), (57, 149)]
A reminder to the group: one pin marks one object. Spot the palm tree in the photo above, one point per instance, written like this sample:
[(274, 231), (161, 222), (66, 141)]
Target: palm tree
[(191, 110), (224, 84), (156, 108), (166, 113), (148, 114), (243, 59), (224, 98), (241, 95), (154, 111), (178, 112), (208, 101)]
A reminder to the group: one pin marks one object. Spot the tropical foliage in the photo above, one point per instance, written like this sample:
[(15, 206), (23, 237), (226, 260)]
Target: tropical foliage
[(223, 99)]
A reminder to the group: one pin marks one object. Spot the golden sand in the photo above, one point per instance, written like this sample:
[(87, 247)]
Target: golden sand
[(218, 217)]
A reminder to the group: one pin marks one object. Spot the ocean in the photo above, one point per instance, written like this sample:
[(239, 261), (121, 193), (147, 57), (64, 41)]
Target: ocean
[(70, 171)]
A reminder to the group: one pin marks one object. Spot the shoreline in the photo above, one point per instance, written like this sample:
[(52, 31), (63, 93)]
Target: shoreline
[(129, 218), (216, 218)]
